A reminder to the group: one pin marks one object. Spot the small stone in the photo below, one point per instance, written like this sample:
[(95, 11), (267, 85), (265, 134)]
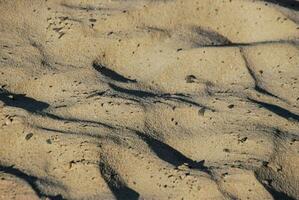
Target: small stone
[(184, 166), (224, 174), (190, 79), (71, 164), (267, 182), (28, 136), (231, 106), (243, 139), (265, 163), (201, 111), (226, 150), (92, 20), (8, 121), (279, 168), (49, 141)]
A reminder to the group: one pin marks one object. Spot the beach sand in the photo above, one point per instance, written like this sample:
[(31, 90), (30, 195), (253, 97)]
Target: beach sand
[(149, 99)]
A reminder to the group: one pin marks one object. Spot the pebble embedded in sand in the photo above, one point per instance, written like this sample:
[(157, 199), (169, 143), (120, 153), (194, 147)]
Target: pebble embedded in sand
[(191, 79), (231, 106), (201, 111), (8, 121), (28, 136), (49, 141)]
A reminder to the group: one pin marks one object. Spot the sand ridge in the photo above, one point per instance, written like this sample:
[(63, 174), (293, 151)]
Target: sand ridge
[(149, 99)]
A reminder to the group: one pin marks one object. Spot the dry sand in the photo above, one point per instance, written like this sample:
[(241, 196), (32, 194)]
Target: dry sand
[(149, 99)]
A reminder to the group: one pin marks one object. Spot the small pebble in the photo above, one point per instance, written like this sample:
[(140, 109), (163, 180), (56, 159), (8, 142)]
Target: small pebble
[(49, 141), (231, 106), (28, 136)]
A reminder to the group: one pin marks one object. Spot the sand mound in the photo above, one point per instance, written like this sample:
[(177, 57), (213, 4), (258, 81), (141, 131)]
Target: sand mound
[(149, 99)]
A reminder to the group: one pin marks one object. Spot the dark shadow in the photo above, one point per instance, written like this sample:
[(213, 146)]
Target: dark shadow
[(69, 132), (111, 74), (291, 4), (56, 117), (212, 38), (122, 97), (277, 195), (172, 97), (31, 180), (21, 101), (136, 93), (166, 96), (116, 184), (88, 7), (257, 85), (89, 135), (171, 155), (277, 110), (233, 44), (264, 91), (113, 137), (98, 93)]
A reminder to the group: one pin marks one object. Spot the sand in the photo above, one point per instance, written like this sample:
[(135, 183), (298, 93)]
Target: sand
[(149, 99)]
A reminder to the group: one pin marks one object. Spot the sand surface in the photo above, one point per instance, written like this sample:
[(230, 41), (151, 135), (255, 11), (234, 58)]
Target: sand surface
[(149, 99)]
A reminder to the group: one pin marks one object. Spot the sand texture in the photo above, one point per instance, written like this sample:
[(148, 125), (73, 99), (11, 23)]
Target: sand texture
[(149, 99)]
